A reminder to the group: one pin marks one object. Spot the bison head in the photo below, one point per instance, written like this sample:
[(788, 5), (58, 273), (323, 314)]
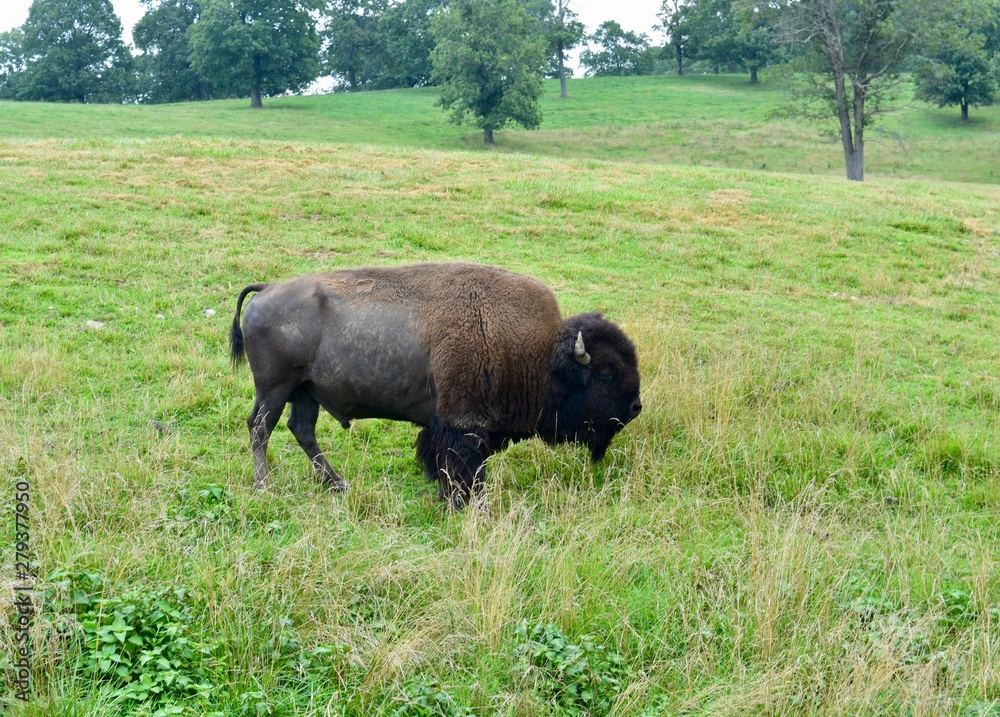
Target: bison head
[(595, 382)]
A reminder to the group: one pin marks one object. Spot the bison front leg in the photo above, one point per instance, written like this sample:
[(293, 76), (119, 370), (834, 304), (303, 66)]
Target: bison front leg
[(302, 423), (456, 459)]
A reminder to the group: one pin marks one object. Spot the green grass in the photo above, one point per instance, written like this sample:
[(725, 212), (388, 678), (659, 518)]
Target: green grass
[(716, 121), (802, 521)]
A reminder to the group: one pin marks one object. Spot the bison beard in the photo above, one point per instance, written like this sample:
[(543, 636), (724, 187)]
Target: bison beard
[(455, 459)]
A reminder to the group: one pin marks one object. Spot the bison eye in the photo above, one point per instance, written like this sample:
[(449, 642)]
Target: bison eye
[(607, 373)]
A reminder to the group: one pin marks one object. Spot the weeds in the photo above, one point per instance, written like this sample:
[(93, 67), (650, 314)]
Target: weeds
[(137, 645), (581, 678), (207, 505), (426, 697)]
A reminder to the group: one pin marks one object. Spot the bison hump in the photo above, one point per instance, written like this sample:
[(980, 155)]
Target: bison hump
[(490, 349)]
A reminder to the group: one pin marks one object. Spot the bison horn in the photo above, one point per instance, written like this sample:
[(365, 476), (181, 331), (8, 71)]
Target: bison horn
[(580, 351)]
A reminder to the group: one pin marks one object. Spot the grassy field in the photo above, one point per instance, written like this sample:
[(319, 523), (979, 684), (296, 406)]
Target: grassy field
[(802, 521), (717, 121)]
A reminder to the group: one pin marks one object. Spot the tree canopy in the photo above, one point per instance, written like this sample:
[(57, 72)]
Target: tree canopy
[(755, 45), (616, 52), (164, 67), (355, 46), (67, 51), (408, 41), (379, 44), (489, 60), (270, 46), (731, 34)]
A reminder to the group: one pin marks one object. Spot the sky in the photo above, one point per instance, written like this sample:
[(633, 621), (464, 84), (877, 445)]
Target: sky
[(635, 15)]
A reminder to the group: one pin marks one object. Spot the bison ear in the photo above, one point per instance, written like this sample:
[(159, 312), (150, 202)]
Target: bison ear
[(569, 363), (566, 366)]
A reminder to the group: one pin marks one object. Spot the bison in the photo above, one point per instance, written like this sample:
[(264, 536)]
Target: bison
[(478, 356)]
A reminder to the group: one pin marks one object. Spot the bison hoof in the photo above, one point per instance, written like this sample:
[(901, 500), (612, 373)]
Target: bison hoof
[(338, 484)]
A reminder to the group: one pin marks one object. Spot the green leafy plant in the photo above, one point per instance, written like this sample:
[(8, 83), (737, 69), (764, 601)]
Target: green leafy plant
[(982, 708), (140, 645), (659, 707), (301, 664), (958, 606), (210, 504), (575, 678), (426, 697)]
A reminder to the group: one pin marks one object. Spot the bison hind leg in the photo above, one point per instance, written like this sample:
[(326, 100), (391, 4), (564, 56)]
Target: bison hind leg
[(302, 424), (456, 459), (263, 418)]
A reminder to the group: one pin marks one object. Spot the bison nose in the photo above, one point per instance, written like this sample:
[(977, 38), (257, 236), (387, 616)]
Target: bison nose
[(636, 407)]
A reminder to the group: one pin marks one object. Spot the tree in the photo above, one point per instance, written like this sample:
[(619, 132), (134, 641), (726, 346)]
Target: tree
[(731, 33), (489, 60), (562, 31), (11, 62), (405, 28), (991, 30), (754, 42), (620, 52), (711, 29), (379, 44), (68, 51), (165, 71), (355, 46), (961, 75), (855, 50), (272, 45), (674, 15), (957, 68)]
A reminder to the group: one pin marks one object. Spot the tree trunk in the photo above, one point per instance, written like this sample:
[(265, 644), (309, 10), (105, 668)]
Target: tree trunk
[(488, 136), (562, 70), (853, 142), (857, 174), (753, 76), (560, 47), (680, 60), (855, 158), (255, 102), (854, 148), (352, 81), (965, 111)]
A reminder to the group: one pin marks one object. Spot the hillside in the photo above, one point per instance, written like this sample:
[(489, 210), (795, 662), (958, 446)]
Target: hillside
[(718, 121), (802, 520)]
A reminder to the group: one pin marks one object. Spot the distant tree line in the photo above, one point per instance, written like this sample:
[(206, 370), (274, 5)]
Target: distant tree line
[(72, 50), (846, 57)]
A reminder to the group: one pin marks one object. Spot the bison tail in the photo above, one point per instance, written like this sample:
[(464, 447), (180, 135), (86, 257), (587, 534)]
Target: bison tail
[(236, 334)]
